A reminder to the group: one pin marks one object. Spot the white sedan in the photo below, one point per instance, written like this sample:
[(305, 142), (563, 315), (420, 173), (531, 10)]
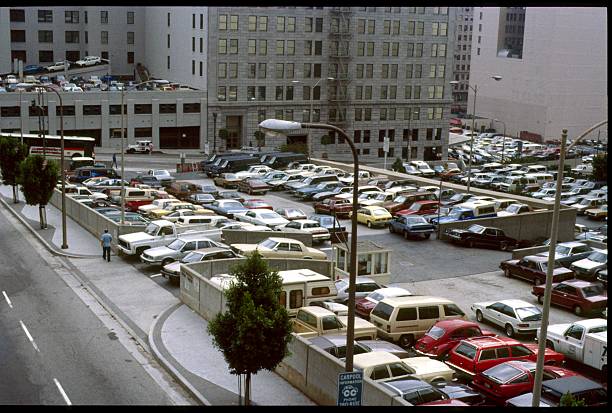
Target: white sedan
[(514, 316), (174, 216), (262, 217), (319, 234)]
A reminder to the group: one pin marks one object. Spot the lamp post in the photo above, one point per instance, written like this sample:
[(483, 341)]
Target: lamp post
[(475, 89), (20, 118), (408, 155), (214, 132), (59, 96), (280, 126), (503, 139), (537, 384)]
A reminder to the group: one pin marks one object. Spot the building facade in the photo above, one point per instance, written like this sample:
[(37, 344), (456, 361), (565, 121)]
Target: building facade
[(553, 61), (463, 58)]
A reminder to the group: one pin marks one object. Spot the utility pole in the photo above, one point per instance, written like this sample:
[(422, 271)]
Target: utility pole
[(214, 132)]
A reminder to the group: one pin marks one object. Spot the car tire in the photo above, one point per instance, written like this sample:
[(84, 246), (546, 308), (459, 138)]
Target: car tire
[(503, 246), (391, 230), (427, 236), (406, 236), (166, 261), (540, 299), (406, 341), (509, 330), (479, 316), (369, 224), (578, 310), (507, 273)]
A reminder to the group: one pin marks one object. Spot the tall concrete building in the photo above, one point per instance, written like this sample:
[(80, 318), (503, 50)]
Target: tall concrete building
[(376, 72), (553, 61), (463, 58)]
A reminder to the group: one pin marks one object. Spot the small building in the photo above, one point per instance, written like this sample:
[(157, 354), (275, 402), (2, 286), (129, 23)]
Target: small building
[(372, 261)]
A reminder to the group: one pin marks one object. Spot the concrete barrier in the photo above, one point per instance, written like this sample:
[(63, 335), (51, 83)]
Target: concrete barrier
[(238, 236), (523, 252)]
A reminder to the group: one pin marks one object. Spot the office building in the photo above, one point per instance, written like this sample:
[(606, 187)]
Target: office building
[(463, 57)]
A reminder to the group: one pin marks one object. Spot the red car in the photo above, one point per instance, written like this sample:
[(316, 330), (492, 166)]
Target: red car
[(338, 206), (581, 297), (473, 355), (420, 208), (445, 334), (513, 378), (256, 204), (253, 186)]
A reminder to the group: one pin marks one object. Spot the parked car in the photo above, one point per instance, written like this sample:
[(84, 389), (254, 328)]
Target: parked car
[(515, 209), (178, 248), (445, 334), (600, 213), (602, 277), (172, 271), (33, 69), (58, 66), (162, 175), (227, 207), (474, 355), (230, 195), (334, 307), (275, 247), (319, 234), (227, 180), (363, 306), (411, 226), (373, 216), (181, 189), (586, 268), (150, 180), (262, 217), (334, 206), (456, 199), (420, 208), (253, 186), (533, 268), (418, 392), (330, 223), (336, 345), (129, 218), (201, 199), (88, 61), (568, 252), (363, 287), (478, 235), (291, 214), (588, 203), (514, 316), (582, 297), (579, 387), (381, 366), (512, 378), (308, 192), (257, 204)]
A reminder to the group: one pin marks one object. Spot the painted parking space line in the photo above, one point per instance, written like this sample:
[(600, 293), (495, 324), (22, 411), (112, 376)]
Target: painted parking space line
[(154, 275), (8, 300), (27, 333), (62, 392)]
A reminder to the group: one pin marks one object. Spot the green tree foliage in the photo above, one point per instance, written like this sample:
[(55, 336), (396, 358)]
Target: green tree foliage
[(326, 140), (600, 167), (12, 153), (260, 138), (568, 400), (254, 331), (38, 179), (398, 166)]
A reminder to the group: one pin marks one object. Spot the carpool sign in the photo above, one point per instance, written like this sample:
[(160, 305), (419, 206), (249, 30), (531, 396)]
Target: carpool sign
[(349, 388)]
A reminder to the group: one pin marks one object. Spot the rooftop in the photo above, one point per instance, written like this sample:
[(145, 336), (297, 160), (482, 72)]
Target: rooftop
[(364, 246)]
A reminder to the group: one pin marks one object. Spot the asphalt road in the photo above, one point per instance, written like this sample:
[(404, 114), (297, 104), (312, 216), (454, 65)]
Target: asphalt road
[(53, 349)]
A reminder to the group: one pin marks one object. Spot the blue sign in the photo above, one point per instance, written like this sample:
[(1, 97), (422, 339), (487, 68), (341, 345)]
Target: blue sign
[(349, 388)]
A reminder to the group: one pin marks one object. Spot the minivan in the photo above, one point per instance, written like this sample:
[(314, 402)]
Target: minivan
[(280, 161), (530, 169), (541, 177), (512, 182), (405, 319), (233, 164), (86, 172)]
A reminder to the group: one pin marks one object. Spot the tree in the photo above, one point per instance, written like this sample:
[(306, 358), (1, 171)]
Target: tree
[(38, 179), (12, 152), (260, 138), (254, 331), (600, 167), (568, 400), (398, 166), (326, 140), (223, 135)]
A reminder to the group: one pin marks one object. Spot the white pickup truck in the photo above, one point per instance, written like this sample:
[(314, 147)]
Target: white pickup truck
[(314, 321), (159, 233), (139, 147), (585, 341)]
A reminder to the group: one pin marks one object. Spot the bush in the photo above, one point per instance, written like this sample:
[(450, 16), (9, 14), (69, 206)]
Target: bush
[(38, 179), (12, 153), (600, 167), (398, 166)]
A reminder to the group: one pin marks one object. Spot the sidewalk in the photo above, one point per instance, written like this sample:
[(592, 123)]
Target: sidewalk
[(156, 318), (156, 151)]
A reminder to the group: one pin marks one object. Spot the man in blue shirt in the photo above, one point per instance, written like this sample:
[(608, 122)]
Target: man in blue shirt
[(105, 240)]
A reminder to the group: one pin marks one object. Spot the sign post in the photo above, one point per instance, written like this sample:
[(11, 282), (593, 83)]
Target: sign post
[(350, 387), (386, 149)]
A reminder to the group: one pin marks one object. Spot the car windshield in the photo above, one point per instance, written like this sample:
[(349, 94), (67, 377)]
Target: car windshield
[(176, 245), (379, 212), (593, 290), (513, 208), (161, 172), (598, 256), (258, 203), (381, 197), (399, 199), (529, 313), (208, 188), (455, 212), (502, 373), (457, 197), (476, 229), (233, 205), (268, 243), (415, 220), (376, 296), (415, 207), (269, 215), (230, 176), (562, 250), (204, 197), (192, 257), (223, 163), (293, 212), (435, 332), (151, 229)]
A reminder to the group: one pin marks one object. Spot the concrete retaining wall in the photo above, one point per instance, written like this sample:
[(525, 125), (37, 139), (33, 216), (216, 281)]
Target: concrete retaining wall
[(237, 236), (523, 252)]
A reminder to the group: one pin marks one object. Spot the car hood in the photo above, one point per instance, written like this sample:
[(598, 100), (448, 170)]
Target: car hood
[(459, 231), (173, 267), (136, 236), (534, 348), (159, 251), (504, 214), (368, 202), (587, 264)]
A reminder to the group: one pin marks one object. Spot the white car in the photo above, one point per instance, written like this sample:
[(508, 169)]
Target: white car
[(262, 217), (363, 309), (254, 171), (588, 267), (514, 209), (174, 216), (58, 66), (319, 234), (88, 61), (378, 200), (514, 316), (423, 167), (162, 175), (157, 204)]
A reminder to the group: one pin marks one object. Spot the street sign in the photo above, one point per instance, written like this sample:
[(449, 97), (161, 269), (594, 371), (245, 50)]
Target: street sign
[(207, 148), (349, 388)]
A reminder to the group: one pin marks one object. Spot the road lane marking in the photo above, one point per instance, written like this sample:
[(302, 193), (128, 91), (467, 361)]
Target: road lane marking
[(62, 392), (8, 300), (155, 275), (29, 336)]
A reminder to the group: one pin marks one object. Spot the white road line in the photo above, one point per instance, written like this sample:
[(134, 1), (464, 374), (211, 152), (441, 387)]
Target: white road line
[(8, 300), (29, 335), (62, 392), (325, 249), (155, 275)]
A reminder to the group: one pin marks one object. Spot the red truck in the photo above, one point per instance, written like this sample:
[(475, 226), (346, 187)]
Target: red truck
[(338, 206), (133, 204)]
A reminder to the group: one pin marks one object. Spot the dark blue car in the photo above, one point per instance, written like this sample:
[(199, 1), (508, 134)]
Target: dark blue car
[(33, 69), (306, 193), (227, 207), (411, 227)]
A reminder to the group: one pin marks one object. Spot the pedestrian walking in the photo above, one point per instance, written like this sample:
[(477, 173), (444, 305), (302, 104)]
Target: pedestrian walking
[(150, 148), (105, 241), (114, 160)]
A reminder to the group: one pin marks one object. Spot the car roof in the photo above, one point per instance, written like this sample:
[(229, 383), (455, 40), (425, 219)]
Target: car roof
[(413, 299), (391, 291), (572, 384), (571, 244), (577, 283), (279, 239), (373, 358), (210, 250), (487, 341), (455, 323), (372, 208), (406, 384), (305, 221), (319, 311), (516, 303), (536, 258), (327, 341)]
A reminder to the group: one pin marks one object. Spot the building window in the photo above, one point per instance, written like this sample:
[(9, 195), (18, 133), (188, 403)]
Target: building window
[(168, 20), (91, 110), (116, 109), (130, 17), (290, 47), (45, 56), (263, 47), (221, 93), (319, 25), (280, 24), (261, 93), (222, 46), (72, 37), (280, 47), (143, 132), (252, 22), (104, 37), (262, 69), (130, 37), (130, 57), (262, 23), (167, 108), (251, 70), (17, 15), (201, 21), (18, 36), (191, 108), (223, 22), (233, 70), (104, 17), (233, 22), (104, 55), (233, 46), (45, 16), (142, 109), (71, 16), (201, 68)]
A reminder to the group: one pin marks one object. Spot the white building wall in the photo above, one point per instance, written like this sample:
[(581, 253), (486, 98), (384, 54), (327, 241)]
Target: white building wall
[(5, 41), (559, 83)]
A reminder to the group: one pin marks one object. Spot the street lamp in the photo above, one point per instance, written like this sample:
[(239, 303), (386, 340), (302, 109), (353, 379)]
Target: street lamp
[(64, 234), (281, 126), (537, 384), (408, 155), (214, 132), (503, 139), (475, 89)]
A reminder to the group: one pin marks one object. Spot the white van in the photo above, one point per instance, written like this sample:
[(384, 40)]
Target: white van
[(511, 183), (405, 319), (423, 167), (531, 169), (541, 177)]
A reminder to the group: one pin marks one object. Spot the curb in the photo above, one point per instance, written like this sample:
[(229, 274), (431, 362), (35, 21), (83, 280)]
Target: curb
[(156, 327), (51, 249)]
